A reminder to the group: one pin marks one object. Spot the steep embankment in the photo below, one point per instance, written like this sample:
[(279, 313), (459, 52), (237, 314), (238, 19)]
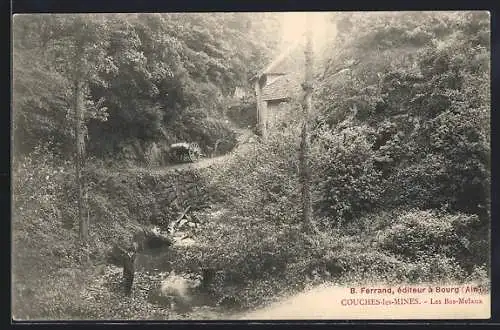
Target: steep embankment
[(155, 195), (50, 281)]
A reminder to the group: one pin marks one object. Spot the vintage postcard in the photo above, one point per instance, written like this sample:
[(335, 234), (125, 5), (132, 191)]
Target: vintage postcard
[(251, 166)]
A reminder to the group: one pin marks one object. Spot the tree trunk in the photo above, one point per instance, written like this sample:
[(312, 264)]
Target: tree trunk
[(305, 175), (261, 113), (305, 178), (128, 272), (80, 161)]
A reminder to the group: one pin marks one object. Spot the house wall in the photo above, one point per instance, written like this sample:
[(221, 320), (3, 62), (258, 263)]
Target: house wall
[(277, 113), (258, 106), (265, 115)]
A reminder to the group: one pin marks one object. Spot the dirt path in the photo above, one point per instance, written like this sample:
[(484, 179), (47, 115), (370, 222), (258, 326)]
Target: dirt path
[(205, 162), (313, 304), (245, 137), (329, 302)]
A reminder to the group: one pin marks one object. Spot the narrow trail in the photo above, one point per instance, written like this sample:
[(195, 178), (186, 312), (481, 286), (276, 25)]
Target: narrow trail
[(330, 302), (245, 139), (321, 302), (202, 163)]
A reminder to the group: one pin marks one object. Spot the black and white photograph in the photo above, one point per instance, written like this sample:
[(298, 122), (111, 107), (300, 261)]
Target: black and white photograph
[(183, 166)]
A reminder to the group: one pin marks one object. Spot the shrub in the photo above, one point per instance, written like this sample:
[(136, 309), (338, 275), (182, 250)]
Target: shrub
[(417, 235), (480, 275), (346, 179), (395, 247), (42, 204), (249, 256), (38, 182), (261, 180)]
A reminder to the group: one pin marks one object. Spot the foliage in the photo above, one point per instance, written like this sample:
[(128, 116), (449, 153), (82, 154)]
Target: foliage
[(261, 178), (195, 126), (399, 150), (346, 178), (145, 73), (419, 234), (399, 247), (44, 237), (69, 52), (39, 191), (420, 82)]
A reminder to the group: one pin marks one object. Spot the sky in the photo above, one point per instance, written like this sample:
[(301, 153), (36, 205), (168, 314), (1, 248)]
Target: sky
[(294, 26)]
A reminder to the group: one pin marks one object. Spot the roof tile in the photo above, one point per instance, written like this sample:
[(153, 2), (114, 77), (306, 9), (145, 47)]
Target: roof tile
[(291, 64), (282, 88)]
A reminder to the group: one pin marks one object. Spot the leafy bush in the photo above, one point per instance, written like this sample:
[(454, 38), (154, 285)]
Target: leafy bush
[(424, 91), (480, 275), (398, 247), (252, 258), (346, 179), (43, 203), (421, 234), (260, 180)]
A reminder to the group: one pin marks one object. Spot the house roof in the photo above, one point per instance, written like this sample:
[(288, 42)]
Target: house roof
[(288, 66), (279, 64), (283, 87)]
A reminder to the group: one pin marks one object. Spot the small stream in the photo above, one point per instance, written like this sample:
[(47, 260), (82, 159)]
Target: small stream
[(162, 268)]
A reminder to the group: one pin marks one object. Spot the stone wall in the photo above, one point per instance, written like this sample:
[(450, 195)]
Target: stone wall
[(147, 198)]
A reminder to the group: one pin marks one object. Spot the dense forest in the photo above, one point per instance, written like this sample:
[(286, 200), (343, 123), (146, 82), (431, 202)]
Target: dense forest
[(399, 160), (147, 78)]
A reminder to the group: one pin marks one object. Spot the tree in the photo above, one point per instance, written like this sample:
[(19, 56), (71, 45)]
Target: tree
[(420, 84), (80, 47), (173, 69), (305, 175), (56, 59), (40, 98), (158, 72)]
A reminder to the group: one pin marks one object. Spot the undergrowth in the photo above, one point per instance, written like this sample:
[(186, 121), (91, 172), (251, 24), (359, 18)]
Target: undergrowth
[(257, 254)]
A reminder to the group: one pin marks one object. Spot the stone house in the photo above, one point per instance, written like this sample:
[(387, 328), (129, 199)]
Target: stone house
[(278, 83)]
